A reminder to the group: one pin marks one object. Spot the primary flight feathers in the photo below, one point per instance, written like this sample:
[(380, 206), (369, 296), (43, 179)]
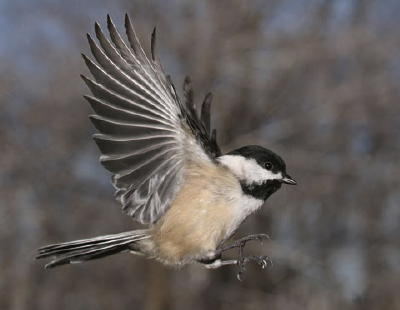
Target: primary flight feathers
[(144, 128)]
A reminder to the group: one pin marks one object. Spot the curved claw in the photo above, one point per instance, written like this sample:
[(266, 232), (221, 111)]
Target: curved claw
[(263, 261)]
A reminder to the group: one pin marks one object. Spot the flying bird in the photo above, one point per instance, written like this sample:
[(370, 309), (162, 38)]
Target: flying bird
[(167, 168)]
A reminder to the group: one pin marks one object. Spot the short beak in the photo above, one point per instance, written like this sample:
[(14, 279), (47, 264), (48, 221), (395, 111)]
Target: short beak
[(287, 179)]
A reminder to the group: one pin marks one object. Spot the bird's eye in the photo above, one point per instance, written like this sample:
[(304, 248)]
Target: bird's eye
[(268, 166)]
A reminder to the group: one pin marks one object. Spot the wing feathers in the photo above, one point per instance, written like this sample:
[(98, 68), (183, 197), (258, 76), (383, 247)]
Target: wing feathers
[(116, 86), (116, 101), (117, 40), (135, 82), (157, 194), (141, 122), (133, 40), (145, 164), (120, 114), (205, 112), (188, 94), (123, 148), (114, 127), (119, 163), (153, 44)]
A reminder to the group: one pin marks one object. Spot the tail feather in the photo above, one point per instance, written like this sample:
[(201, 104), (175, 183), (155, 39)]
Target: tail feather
[(87, 249), (61, 248)]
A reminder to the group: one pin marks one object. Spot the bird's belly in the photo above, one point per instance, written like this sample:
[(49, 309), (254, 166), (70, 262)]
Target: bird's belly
[(196, 223), (185, 236)]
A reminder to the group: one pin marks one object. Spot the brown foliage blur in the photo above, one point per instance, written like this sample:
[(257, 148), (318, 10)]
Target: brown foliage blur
[(316, 81)]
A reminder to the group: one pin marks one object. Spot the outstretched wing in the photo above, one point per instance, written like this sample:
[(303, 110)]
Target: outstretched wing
[(146, 134)]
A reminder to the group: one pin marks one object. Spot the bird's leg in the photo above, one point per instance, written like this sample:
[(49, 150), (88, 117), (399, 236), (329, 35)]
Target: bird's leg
[(242, 260), (219, 263), (240, 243), (214, 259)]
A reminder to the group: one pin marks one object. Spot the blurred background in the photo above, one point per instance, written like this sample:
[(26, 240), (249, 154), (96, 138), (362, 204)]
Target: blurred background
[(315, 80)]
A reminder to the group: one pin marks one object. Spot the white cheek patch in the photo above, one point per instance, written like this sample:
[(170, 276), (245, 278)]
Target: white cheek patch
[(248, 169)]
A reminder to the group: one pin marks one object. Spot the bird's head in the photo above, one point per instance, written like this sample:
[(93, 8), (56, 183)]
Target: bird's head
[(260, 171)]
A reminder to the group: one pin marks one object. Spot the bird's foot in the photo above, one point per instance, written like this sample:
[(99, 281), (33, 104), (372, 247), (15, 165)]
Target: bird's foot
[(263, 261)]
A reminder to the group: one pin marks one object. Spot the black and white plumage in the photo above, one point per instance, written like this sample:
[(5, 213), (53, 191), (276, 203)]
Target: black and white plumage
[(168, 170), (145, 130)]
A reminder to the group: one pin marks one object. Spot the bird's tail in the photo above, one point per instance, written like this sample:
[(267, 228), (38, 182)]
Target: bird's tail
[(87, 249)]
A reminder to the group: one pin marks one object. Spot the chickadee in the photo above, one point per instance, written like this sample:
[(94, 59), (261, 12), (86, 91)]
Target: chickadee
[(168, 170)]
